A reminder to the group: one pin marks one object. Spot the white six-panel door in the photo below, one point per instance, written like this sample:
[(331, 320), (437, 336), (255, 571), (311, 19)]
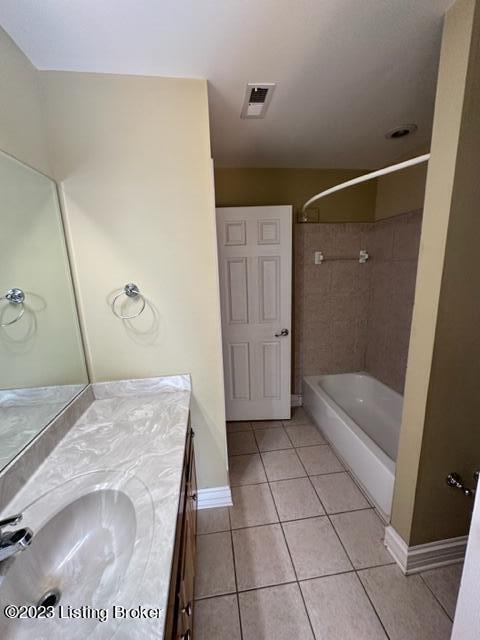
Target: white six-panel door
[(255, 262)]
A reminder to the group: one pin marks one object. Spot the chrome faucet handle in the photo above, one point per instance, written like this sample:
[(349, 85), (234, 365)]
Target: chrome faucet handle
[(11, 521)]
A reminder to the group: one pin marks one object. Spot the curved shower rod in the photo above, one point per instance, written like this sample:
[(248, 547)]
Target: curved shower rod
[(367, 176)]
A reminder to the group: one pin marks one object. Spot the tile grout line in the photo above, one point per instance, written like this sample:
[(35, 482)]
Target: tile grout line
[(235, 575), (293, 446), (280, 584), (289, 552), (436, 599), (280, 522), (319, 515), (358, 578)]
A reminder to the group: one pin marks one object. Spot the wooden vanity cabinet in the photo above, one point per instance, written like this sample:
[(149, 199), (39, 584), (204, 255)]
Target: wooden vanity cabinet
[(179, 622)]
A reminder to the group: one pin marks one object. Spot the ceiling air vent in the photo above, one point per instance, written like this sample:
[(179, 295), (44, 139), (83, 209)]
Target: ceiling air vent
[(257, 98)]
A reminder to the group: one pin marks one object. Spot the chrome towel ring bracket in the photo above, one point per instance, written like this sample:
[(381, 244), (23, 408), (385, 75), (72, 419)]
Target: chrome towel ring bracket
[(131, 291), (16, 297)]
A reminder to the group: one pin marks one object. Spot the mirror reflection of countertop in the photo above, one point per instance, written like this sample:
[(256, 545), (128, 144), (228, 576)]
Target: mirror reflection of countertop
[(107, 499), (25, 412)]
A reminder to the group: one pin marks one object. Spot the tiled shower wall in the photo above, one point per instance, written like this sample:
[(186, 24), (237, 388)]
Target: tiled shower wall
[(394, 243), (351, 316)]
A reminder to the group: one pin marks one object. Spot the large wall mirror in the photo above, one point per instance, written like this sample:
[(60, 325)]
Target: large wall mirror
[(42, 364)]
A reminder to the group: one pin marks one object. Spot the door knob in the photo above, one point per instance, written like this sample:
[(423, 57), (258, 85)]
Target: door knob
[(283, 332)]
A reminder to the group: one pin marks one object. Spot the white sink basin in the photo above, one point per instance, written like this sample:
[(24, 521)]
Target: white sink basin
[(81, 556)]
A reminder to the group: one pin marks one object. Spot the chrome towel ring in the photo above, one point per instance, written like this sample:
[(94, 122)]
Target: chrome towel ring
[(16, 297), (131, 291)]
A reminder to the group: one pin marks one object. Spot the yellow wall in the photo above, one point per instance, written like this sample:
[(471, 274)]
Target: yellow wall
[(132, 157), (22, 128), (256, 187), (442, 404), (44, 347), (400, 192)]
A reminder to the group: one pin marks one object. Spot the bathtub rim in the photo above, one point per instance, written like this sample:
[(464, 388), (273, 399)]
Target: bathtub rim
[(370, 467), (364, 437)]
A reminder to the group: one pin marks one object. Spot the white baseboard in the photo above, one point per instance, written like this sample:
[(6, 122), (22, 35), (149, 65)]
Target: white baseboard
[(214, 497), (296, 400), (424, 556)]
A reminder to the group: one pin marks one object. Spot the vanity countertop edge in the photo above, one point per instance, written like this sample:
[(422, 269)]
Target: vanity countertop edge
[(134, 431)]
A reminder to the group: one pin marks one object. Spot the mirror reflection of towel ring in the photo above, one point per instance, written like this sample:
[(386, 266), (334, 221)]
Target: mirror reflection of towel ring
[(131, 291), (16, 297)]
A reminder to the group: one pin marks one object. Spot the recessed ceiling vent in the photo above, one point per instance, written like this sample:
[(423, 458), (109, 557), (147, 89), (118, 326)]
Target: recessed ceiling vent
[(257, 98)]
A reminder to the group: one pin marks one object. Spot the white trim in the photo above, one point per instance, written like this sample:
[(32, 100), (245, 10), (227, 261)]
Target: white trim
[(422, 557), (296, 400), (214, 497)]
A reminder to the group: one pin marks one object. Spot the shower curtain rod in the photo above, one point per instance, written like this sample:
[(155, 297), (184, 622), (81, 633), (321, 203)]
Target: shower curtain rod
[(367, 176)]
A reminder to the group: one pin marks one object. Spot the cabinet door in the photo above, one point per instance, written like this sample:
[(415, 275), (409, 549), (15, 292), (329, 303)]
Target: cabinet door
[(188, 564)]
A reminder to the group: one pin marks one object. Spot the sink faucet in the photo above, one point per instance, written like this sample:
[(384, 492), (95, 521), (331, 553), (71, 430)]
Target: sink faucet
[(12, 542)]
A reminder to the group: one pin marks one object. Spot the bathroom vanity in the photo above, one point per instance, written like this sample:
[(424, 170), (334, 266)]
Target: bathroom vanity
[(112, 507)]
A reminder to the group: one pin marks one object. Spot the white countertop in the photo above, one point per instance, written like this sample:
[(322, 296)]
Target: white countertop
[(133, 430)]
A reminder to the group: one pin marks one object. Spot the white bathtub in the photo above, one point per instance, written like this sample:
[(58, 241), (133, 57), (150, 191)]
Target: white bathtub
[(361, 418)]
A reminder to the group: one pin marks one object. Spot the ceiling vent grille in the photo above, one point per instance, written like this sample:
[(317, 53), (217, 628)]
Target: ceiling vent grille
[(257, 98)]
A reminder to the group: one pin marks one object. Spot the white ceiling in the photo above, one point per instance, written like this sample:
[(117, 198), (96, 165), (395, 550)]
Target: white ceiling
[(347, 70)]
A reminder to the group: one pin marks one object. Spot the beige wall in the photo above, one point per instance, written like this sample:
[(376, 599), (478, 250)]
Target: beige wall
[(44, 348), (22, 128), (132, 156), (442, 404), (401, 192), (256, 187)]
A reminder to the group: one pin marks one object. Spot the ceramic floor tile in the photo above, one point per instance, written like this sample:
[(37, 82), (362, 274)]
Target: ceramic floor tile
[(246, 470), (213, 520), (340, 610), (445, 583), (252, 505), (305, 435), (276, 613), (405, 605), (296, 499), (362, 534), (217, 619), (233, 427), (261, 557), (319, 459), (215, 573), (299, 416), (266, 424), (339, 493), (241, 442), (315, 548), (282, 465), (272, 439)]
